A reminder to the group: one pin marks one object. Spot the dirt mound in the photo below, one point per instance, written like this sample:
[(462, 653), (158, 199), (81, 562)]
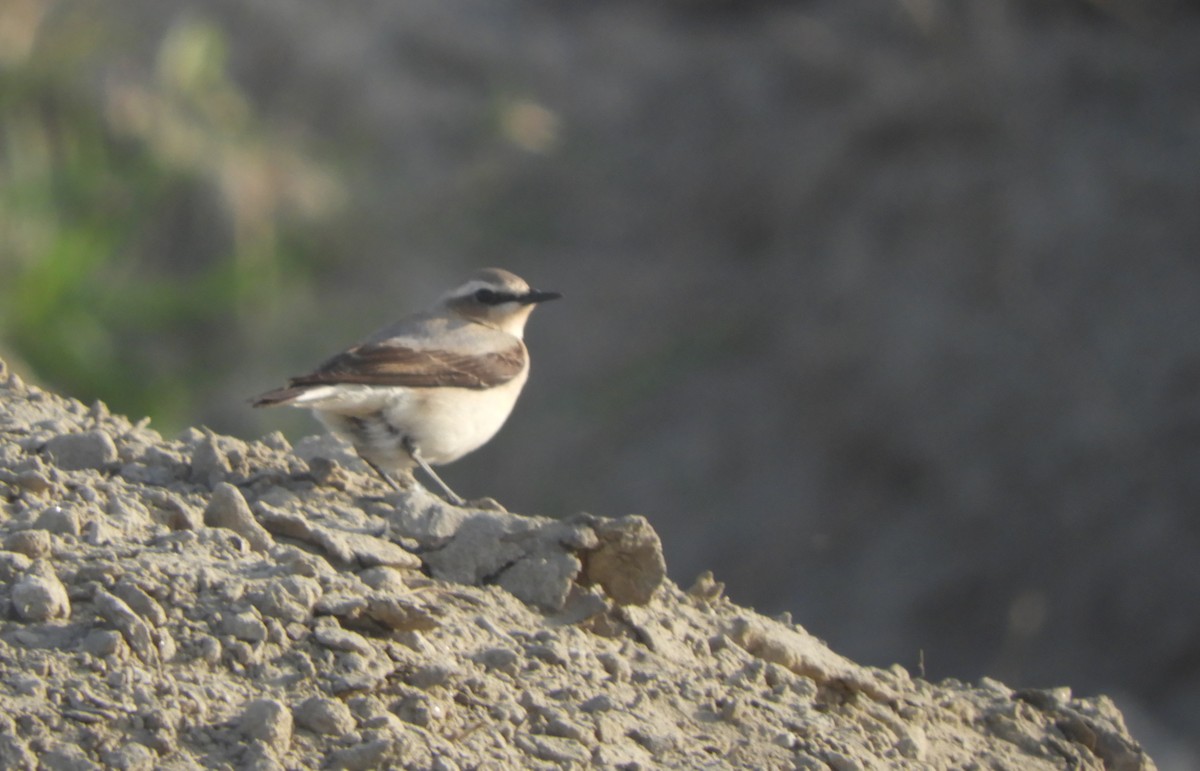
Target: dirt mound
[(210, 602)]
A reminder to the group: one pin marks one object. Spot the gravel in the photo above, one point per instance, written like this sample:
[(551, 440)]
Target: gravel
[(207, 602)]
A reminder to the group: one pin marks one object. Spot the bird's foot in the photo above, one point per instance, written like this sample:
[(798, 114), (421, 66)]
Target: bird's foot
[(452, 497)]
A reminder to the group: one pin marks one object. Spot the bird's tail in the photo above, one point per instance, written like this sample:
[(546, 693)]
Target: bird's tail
[(278, 396)]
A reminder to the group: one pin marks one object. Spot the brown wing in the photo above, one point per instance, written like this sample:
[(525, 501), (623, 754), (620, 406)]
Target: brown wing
[(392, 365)]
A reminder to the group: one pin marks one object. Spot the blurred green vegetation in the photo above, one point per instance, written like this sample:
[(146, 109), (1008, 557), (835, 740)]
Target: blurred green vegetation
[(146, 214)]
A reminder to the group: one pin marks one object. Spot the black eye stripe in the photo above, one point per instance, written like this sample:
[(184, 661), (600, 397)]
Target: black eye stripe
[(492, 297)]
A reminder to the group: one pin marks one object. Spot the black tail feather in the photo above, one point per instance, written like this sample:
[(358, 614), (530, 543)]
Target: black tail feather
[(278, 396)]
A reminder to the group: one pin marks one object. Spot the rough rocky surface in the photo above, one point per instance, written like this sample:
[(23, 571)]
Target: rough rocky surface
[(949, 246), (209, 602)]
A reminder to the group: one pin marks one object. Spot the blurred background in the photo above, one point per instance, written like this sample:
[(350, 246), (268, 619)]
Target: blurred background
[(886, 312)]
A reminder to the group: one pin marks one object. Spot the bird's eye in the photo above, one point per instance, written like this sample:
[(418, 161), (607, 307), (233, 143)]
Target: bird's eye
[(486, 296)]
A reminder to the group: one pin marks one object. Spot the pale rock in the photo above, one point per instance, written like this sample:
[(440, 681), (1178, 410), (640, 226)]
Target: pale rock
[(39, 595), (270, 722), (323, 715), (228, 508), (88, 450)]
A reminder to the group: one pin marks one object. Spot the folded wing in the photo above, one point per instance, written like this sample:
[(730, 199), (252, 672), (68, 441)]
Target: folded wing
[(383, 364)]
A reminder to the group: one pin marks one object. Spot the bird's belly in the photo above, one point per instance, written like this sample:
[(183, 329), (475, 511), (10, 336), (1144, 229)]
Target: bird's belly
[(443, 423), (447, 423)]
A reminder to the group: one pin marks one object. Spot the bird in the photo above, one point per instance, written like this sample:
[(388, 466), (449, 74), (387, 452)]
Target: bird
[(430, 388)]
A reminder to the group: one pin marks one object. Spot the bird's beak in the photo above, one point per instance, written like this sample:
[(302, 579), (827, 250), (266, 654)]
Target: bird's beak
[(534, 296)]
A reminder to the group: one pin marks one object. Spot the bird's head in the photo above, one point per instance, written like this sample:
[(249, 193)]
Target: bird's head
[(496, 298)]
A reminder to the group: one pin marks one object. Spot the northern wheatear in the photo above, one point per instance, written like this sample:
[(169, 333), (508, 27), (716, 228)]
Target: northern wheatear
[(430, 388)]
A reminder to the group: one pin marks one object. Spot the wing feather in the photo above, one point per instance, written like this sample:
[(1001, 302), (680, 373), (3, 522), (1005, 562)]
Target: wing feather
[(386, 364)]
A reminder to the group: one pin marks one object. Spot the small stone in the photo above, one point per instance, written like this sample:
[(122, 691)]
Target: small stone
[(601, 703), (343, 605), (227, 508), (786, 740), (419, 709), (656, 743), (307, 565), (206, 648), (707, 588), (209, 464), (366, 708), (384, 578), (60, 756), (549, 652), (244, 626), (96, 533), (142, 603), (498, 659), (914, 745), (270, 722), (177, 515), (39, 595), (323, 715), (13, 565), (1045, 699), (625, 756), (132, 757), (103, 642), (399, 613), (617, 667), (342, 546), (290, 598), (367, 550), (276, 441), (56, 519), (554, 749), (276, 631), (433, 674), (34, 544), (629, 562), (166, 645), (76, 452), (841, 762), (334, 637), (730, 710), (327, 473), (34, 482), (126, 511), (542, 579), (359, 672), (567, 730), (384, 721), (28, 685), (191, 435), (257, 756), (136, 631)]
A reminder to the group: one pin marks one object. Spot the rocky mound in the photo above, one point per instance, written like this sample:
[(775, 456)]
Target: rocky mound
[(210, 602)]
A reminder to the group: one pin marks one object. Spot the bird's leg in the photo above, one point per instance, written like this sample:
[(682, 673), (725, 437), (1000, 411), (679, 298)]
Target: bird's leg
[(451, 496), (395, 485)]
